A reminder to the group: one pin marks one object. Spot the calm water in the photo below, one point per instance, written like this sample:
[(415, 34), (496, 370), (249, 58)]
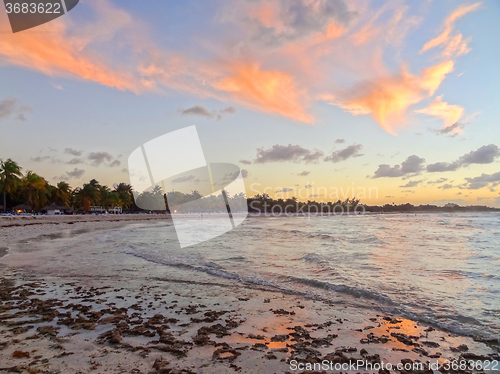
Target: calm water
[(438, 268)]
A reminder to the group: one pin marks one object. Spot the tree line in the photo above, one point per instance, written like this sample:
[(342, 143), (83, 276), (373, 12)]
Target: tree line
[(36, 192)]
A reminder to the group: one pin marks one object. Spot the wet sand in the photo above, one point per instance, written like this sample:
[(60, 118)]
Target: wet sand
[(69, 312)]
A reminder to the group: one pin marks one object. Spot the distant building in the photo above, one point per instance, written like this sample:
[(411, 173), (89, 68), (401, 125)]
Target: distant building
[(115, 210), (110, 209)]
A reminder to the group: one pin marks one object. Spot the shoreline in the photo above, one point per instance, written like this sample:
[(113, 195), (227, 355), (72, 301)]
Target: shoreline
[(186, 322), (21, 228)]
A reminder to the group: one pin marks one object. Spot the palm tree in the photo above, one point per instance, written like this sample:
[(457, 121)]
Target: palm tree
[(86, 196), (124, 192), (62, 193), (108, 197), (34, 188), (10, 178)]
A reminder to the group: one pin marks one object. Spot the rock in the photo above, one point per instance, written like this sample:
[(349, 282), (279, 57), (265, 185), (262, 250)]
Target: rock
[(48, 330), (405, 339), (279, 338), (460, 348), (256, 337), (20, 354), (256, 346), (430, 344), (282, 312), (160, 364)]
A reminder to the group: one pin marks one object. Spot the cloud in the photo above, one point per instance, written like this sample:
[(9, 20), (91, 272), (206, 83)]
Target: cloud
[(245, 162), (344, 154), (13, 107), (304, 173), (73, 174), (287, 54), (270, 91), (115, 163), (454, 45), (68, 55), (278, 22), (411, 184), (441, 180), (340, 141), (99, 158), (313, 156), (75, 161), (387, 99), (446, 186), (282, 153), (483, 155), (482, 181), (201, 111), (229, 110), (149, 67), (233, 176), (389, 30), (187, 178), (442, 166), (286, 189), (73, 152), (450, 114), (412, 165), (40, 158), (454, 129)]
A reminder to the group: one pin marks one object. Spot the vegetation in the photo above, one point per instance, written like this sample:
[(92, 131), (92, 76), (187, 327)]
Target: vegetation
[(410, 208), (265, 204), (36, 192), (10, 179)]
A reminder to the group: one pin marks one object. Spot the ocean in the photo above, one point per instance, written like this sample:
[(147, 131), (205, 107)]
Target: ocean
[(441, 269)]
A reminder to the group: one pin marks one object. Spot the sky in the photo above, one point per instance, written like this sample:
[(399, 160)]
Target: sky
[(392, 101)]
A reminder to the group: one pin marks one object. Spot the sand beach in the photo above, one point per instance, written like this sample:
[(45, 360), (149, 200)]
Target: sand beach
[(64, 311)]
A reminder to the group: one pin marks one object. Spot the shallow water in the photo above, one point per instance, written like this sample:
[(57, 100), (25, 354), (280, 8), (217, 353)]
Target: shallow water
[(443, 269)]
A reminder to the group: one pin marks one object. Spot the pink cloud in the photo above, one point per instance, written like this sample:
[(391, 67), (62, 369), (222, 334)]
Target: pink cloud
[(388, 98), (454, 45), (450, 114)]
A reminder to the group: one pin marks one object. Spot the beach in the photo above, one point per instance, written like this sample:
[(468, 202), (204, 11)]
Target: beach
[(76, 299)]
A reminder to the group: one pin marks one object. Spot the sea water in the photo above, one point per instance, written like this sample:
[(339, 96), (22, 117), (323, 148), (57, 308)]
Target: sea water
[(442, 269)]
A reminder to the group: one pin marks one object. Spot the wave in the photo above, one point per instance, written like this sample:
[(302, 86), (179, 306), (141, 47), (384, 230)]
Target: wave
[(315, 258), (455, 323)]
